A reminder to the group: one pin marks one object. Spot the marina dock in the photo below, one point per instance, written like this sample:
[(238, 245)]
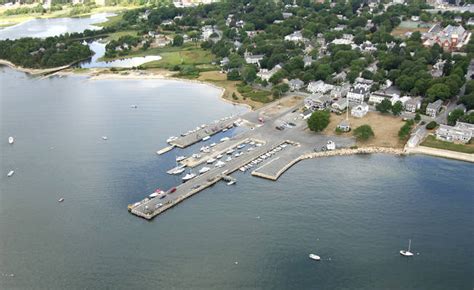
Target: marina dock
[(262, 150)]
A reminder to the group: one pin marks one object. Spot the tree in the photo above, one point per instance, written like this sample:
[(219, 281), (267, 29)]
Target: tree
[(319, 120), (468, 101), (233, 75), (417, 117), (454, 116), (249, 73), (397, 108), (363, 133), (384, 106), (431, 125), (178, 40), (439, 91), (280, 89)]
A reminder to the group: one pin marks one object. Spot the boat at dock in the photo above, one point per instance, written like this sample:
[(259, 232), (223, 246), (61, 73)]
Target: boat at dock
[(213, 144), (180, 158), (206, 138), (177, 170), (225, 139), (11, 173), (210, 161), (157, 193), (314, 257), (407, 253), (171, 139), (219, 156), (11, 140), (204, 170), (188, 176), (219, 164), (231, 182)]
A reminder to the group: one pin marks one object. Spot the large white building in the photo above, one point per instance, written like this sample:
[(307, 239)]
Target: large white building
[(460, 133), (319, 87), (358, 93)]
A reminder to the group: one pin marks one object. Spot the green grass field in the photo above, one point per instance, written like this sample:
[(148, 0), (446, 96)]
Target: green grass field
[(173, 56), (431, 141)]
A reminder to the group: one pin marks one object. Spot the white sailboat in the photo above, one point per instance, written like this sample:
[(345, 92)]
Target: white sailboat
[(407, 253), (11, 140)]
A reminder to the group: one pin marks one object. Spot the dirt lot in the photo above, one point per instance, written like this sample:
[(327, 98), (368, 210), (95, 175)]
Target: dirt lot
[(385, 128)]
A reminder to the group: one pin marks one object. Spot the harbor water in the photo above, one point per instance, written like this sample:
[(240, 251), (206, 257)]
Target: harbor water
[(355, 212)]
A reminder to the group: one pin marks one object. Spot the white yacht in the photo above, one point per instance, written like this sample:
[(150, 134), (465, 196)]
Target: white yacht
[(314, 257), (61, 199), (189, 176), (210, 161), (407, 253), (180, 158), (219, 156), (230, 152), (11, 140), (104, 138), (179, 170), (204, 170), (11, 173), (241, 146), (206, 138), (213, 144), (225, 139), (171, 139), (231, 182), (219, 164)]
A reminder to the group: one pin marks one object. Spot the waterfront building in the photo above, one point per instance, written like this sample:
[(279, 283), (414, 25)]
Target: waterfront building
[(434, 108)]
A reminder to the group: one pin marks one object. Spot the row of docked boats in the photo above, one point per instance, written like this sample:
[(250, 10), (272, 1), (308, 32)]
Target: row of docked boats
[(263, 157)]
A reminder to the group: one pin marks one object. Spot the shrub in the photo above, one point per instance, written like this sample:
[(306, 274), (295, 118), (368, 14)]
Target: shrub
[(319, 120), (363, 133), (431, 125)]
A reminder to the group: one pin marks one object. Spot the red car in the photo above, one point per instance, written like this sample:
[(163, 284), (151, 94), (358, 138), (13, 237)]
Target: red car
[(172, 190)]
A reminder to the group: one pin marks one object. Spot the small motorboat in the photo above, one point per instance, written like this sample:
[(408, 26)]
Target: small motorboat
[(180, 158), (228, 159), (231, 182), (11, 140), (206, 138), (213, 144), (11, 173), (225, 139), (188, 176), (238, 154), (61, 199), (241, 146), (219, 164), (178, 170), (104, 138), (224, 130), (196, 156), (210, 161), (171, 139), (219, 156), (204, 170), (230, 151), (407, 253), (314, 257)]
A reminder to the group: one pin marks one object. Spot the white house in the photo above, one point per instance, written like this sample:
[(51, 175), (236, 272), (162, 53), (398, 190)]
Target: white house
[(319, 87), (295, 37), (317, 102), (266, 74), (413, 104), (460, 133), (296, 84), (253, 59), (358, 93), (377, 97), (360, 110), (340, 91), (434, 108), (339, 106)]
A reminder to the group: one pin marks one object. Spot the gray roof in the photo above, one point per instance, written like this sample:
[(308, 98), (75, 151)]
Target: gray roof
[(435, 105)]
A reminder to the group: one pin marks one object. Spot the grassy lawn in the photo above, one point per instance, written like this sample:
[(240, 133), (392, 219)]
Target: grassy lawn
[(118, 34), (255, 95), (431, 141), (172, 56)]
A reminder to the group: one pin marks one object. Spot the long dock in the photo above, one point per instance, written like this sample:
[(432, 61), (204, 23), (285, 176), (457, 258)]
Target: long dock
[(203, 131)]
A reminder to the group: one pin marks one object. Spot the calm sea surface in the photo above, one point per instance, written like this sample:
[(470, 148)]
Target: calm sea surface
[(355, 212)]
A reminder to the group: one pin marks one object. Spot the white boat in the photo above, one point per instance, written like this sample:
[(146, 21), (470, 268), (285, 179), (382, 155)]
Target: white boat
[(61, 199), (228, 159), (252, 143), (219, 156), (219, 164), (205, 149), (213, 144), (314, 257), (210, 161), (11, 173), (171, 139), (104, 138), (178, 171), (407, 253), (242, 169), (204, 170), (225, 129), (189, 176), (206, 138), (241, 146), (231, 182), (196, 156), (11, 140), (238, 154), (180, 158), (230, 151), (225, 139)]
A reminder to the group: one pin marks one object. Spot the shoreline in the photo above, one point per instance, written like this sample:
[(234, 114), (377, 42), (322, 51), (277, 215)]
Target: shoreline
[(102, 74)]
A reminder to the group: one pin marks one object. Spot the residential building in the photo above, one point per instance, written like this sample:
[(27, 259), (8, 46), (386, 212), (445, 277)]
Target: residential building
[(377, 97), (287, 15), (296, 84), (413, 105), (317, 102), (308, 60), (295, 37), (266, 74), (433, 109), (340, 91), (339, 106), (360, 110), (319, 87), (470, 21), (460, 133), (358, 93), (209, 32), (450, 38), (253, 59)]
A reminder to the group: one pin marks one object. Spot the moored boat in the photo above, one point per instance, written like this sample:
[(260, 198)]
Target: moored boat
[(407, 253), (204, 170), (210, 161), (188, 176), (11, 173), (180, 158), (11, 140), (314, 257)]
